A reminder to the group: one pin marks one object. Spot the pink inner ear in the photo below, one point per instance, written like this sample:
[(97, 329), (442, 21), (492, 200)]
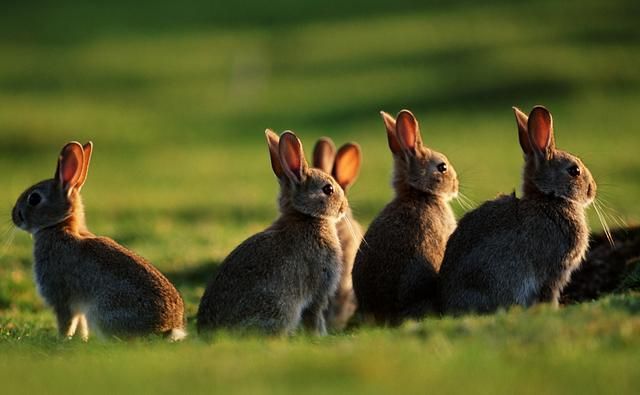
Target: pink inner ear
[(540, 129), (294, 166), (291, 155), (71, 166), (407, 130), (347, 165)]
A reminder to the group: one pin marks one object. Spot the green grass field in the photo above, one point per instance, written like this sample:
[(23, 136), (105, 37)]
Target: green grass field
[(176, 98)]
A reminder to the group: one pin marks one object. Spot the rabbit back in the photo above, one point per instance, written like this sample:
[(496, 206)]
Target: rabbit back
[(119, 292), (522, 251), (269, 280), (510, 252), (396, 269)]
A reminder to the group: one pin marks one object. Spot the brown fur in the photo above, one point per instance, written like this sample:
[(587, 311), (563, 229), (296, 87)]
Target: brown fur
[(395, 271), (344, 168), (89, 281), (522, 251), (283, 276)]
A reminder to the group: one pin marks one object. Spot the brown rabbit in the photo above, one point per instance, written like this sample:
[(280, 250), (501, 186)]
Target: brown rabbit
[(285, 274), (344, 167), (512, 251), (395, 271), (90, 281)]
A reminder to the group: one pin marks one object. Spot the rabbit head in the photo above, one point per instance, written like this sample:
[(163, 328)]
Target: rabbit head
[(344, 165), (549, 171), (303, 189), (53, 201), (417, 166)]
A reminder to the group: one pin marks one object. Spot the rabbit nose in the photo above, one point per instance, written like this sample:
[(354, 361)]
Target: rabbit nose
[(18, 219)]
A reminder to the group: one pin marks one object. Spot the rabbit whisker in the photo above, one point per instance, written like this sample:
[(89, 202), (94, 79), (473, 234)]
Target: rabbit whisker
[(462, 203), (604, 198), (605, 226), (8, 236), (353, 233), (8, 228), (608, 185), (611, 214), (468, 201)]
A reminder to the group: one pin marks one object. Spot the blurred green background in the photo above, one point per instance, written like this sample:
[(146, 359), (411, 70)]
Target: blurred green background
[(176, 96)]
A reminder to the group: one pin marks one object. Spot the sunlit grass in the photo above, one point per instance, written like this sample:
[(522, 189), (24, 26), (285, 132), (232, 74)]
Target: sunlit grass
[(176, 100)]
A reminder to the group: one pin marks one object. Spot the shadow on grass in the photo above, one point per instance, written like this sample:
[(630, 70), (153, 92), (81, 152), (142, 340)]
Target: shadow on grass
[(606, 268), (191, 282), (49, 22), (197, 275), (629, 302)]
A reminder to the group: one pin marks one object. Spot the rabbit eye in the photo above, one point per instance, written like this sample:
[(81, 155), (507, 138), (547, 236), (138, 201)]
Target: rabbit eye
[(574, 171), (328, 189), (34, 199), (442, 167)]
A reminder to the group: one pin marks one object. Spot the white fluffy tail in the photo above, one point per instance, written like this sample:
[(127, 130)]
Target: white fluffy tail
[(177, 334)]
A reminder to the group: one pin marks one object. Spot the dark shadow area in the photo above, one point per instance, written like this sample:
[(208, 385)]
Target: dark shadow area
[(193, 214), (131, 221), (466, 98), (469, 82), (24, 144), (606, 268), (90, 83), (614, 34), (627, 304), (71, 22), (196, 275)]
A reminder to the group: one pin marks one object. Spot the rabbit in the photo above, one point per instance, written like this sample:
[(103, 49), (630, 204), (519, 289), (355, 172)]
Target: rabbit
[(395, 271), (344, 167), (91, 282), (521, 251), (283, 276)]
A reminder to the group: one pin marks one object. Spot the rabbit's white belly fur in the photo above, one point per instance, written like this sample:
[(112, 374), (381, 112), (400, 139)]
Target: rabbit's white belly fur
[(525, 295), (301, 308)]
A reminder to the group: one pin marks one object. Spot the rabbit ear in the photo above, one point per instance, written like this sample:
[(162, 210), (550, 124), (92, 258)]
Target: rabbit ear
[(523, 134), (324, 154), (540, 127), (292, 157), (273, 143), (70, 164), (87, 149), (347, 166), (390, 125), (408, 131)]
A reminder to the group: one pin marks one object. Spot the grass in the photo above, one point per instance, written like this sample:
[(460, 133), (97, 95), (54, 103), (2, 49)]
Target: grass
[(176, 98), (585, 349)]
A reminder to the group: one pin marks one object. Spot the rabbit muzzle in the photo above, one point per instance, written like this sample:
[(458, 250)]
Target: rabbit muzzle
[(342, 211), (591, 193), (18, 218)]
